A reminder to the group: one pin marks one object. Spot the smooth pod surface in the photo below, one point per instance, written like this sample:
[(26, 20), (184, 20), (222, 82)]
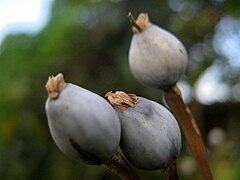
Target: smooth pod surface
[(83, 125), (156, 57), (151, 137)]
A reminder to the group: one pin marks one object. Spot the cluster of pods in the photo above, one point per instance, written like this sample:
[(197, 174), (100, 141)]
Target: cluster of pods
[(90, 128)]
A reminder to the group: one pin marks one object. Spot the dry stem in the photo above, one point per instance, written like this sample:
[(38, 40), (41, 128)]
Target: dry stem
[(188, 124), (170, 173), (121, 167)]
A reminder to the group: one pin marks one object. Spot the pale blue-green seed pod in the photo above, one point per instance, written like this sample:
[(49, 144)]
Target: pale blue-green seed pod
[(151, 137), (83, 125), (156, 57)]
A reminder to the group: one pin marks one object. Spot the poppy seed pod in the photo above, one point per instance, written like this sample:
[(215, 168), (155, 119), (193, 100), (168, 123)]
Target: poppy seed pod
[(83, 125), (156, 57), (150, 138)]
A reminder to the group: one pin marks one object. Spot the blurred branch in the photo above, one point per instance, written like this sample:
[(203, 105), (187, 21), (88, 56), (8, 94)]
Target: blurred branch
[(188, 124)]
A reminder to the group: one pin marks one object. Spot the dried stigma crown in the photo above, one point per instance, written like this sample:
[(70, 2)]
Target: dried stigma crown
[(141, 23), (121, 100), (55, 85)]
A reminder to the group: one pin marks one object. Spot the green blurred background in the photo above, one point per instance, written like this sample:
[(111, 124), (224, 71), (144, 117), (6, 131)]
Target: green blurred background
[(88, 42)]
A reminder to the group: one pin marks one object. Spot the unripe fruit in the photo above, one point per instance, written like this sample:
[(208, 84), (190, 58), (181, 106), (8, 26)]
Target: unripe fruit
[(156, 57), (150, 138), (83, 125)]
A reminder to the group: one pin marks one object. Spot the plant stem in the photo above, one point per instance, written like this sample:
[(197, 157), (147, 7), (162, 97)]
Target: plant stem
[(188, 124), (170, 172), (121, 167)]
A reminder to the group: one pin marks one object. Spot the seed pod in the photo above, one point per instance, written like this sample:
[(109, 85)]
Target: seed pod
[(150, 138), (156, 57), (83, 125)]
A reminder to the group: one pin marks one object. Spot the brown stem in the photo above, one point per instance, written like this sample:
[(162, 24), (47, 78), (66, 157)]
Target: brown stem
[(121, 167), (170, 172), (188, 124)]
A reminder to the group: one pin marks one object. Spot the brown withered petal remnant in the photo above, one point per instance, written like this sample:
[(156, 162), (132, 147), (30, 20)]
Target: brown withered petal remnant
[(141, 23), (121, 100), (55, 85)]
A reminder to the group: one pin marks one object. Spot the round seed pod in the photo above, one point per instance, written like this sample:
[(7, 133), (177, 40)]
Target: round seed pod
[(83, 125), (151, 137), (156, 57)]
